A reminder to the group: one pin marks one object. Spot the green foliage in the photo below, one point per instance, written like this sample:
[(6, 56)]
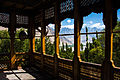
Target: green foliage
[(96, 55), (94, 52), (4, 45), (116, 47), (38, 45), (21, 46), (81, 45), (66, 52), (49, 47)]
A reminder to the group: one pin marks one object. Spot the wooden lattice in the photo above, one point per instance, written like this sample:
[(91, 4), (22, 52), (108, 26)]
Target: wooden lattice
[(38, 18), (49, 13), (66, 6), (4, 18), (88, 2), (21, 19)]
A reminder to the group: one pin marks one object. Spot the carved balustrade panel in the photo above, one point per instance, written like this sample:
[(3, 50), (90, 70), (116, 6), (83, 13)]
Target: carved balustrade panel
[(65, 69), (22, 20), (66, 6), (90, 71), (49, 64)]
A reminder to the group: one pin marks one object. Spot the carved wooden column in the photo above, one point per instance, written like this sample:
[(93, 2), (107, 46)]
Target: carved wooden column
[(32, 38), (12, 36), (57, 29), (43, 29), (107, 70), (78, 22)]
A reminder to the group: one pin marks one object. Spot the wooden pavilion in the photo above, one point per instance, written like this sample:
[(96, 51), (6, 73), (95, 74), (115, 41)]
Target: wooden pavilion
[(31, 14)]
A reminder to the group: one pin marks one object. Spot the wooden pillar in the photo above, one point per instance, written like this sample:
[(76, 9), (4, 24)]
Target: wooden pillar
[(32, 38), (12, 36), (57, 29), (43, 29), (107, 70), (78, 22)]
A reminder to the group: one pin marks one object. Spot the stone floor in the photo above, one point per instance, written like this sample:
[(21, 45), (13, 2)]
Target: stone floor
[(21, 74)]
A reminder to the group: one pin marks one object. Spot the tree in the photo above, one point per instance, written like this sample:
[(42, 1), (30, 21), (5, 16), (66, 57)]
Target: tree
[(86, 48), (38, 45), (81, 45), (49, 47), (67, 54)]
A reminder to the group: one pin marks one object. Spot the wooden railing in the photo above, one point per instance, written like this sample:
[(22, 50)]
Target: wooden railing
[(65, 69), (90, 71), (4, 61), (116, 71), (48, 63), (37, 60)]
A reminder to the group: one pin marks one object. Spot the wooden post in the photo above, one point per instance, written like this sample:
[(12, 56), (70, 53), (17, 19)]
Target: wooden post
[(32, 38), (107, 70), (12, 36), (32, 35), (57, 29), (78, 22), (43, 29)]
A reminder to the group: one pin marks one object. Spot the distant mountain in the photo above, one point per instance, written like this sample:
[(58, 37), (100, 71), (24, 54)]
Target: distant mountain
[(63, 39), (66, 31), (70, 39), (94, 29)]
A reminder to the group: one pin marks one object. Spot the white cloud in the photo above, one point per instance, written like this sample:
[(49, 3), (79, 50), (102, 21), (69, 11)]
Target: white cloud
[(84, 25), (52, 26), (69, 21), (97, 25), (68, 26), (91, 22), (61, 23), (72, 26)]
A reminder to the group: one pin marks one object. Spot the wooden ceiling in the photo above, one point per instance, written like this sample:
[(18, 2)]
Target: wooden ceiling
[(24, 4), (38, 4), (33, 8)]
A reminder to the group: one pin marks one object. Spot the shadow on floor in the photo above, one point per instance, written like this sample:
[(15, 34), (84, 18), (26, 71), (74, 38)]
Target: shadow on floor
[(3, 76), (23, 74)]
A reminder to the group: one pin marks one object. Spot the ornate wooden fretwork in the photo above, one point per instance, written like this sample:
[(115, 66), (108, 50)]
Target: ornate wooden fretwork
[(38, 17), (49, 13), (4, 18), (88, 2), (66, 6), (21, 19)]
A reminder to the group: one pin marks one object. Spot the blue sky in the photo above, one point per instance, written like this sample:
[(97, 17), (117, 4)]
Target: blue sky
[(92, 20)]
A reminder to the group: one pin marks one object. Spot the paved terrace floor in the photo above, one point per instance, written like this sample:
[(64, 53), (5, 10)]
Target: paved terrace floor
[(22, 74)]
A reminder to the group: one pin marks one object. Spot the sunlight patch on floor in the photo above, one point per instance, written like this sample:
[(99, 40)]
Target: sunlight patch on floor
[(16, 75)]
